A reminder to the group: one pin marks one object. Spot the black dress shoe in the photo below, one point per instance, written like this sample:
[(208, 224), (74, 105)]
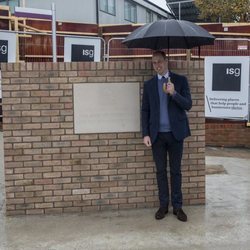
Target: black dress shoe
[(180, 214), (160, 214)]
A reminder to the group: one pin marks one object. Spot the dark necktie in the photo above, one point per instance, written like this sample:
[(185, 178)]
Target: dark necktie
[(163, 80)]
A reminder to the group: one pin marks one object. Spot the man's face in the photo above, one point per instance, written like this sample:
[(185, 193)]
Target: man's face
[(159, 64)]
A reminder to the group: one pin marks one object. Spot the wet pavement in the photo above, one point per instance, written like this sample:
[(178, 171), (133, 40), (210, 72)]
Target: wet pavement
[(223, 223)]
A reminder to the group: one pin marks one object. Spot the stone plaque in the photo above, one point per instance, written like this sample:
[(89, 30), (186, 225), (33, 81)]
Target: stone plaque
[(106, 107)]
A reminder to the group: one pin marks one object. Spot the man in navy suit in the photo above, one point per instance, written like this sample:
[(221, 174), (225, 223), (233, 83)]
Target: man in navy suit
[(166, 98)]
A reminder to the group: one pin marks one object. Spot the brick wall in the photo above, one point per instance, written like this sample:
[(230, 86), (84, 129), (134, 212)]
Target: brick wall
[(226, 133), (49, 169)]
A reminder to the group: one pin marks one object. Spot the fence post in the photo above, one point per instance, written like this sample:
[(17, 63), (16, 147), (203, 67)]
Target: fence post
[(53, 8)]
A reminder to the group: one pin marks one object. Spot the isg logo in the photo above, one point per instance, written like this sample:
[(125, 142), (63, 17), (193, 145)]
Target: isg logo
[(233, 71), (3, 51), (82, 53), (88, 52), (226, 77)]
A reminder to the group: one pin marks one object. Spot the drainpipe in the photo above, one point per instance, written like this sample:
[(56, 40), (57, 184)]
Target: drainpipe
[(97, 12)]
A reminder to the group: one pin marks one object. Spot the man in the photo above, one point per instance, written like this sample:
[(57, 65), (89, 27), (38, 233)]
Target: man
[(166, 98)]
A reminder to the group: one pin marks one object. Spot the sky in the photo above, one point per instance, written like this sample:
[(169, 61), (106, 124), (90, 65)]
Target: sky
[(160, 3)]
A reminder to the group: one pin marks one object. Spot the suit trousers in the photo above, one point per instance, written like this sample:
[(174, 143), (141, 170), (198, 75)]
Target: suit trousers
[(166, 145)]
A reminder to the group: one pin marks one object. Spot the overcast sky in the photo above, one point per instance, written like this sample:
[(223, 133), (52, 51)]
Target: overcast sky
[(160, 3)]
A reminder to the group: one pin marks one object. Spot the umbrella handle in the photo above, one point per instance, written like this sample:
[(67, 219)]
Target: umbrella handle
[(165, 85), (169, 79)]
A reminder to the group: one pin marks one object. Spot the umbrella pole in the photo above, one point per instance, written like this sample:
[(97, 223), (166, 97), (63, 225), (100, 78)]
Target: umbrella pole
[(188, 52), (168, 51), (188, 58), (168, 56)]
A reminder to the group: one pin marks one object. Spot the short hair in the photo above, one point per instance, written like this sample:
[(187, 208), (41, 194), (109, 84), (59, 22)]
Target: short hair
[(161, 53)]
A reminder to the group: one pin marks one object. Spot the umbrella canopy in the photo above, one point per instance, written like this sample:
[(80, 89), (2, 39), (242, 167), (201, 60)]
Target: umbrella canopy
[(170, 33)]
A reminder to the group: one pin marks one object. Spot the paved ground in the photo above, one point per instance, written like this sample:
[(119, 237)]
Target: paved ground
[(224, 223), (228, 152)]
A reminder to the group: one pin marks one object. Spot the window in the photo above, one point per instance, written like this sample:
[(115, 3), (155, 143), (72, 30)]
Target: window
[(107, 6), (130, 11), (10, 3), (149, 16)]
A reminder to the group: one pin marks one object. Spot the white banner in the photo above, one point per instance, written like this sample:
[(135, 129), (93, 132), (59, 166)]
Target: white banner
[(33, 13), (227, 87)]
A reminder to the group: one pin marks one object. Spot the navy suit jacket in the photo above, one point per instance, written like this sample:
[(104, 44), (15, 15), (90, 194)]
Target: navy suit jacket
[(177, 107)]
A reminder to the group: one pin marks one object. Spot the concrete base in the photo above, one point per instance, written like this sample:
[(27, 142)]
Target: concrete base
[(224, 223), (215, 169)]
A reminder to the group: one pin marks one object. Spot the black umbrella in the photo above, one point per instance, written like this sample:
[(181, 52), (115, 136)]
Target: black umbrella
[(170, 33)]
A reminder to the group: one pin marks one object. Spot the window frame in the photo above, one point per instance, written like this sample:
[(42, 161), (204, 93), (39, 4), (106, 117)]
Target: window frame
[(131, 6), (149, 16), (108, 9)]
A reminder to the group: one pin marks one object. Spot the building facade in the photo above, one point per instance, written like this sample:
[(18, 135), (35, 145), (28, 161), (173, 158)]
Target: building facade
[(184, 10), (98, 11)]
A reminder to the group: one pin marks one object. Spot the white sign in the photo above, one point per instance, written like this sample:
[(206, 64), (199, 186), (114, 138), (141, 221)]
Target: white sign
[(82, 49), (227, 86), (7, 47), (242, 47), (106, 107), (33, 13)]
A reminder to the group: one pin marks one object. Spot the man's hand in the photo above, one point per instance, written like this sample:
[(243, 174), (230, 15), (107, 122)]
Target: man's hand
[(170, 88), (147, 141)]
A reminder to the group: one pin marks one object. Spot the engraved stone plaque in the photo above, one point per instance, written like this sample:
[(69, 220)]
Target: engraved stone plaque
[(107, 107)]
